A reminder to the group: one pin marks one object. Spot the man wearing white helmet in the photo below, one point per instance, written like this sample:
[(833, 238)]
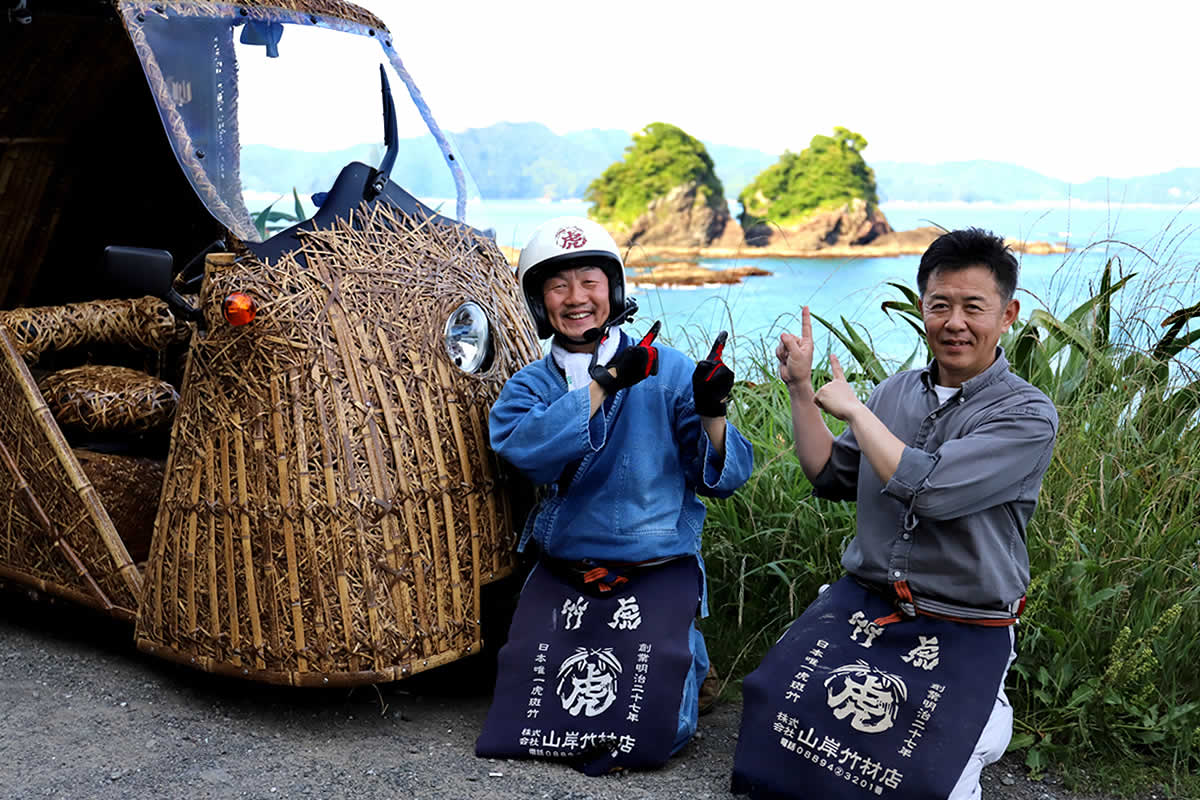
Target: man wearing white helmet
[(603, 664)]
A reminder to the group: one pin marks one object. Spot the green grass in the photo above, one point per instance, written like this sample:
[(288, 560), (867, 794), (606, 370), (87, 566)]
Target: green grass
[(1107, 684), (770, 546)]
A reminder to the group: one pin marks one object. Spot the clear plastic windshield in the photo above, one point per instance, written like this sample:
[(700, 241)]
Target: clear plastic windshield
[(264, 107)]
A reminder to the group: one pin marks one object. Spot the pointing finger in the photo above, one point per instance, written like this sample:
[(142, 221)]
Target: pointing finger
[(836, 367), (805, 324), (718, 347), (651, 334)]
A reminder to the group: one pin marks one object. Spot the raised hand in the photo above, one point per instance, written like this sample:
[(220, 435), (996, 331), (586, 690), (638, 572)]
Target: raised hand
[(631, 365), (796, 355), (837, 397), (712, 381)]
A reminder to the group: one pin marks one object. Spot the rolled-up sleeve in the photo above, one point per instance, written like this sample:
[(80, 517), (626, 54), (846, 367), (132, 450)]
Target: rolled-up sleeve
[(713, 474), (724, 475), (1000, 461)]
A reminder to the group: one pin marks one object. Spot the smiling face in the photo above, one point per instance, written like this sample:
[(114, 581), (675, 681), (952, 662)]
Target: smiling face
[(965, 313), (576, 301)]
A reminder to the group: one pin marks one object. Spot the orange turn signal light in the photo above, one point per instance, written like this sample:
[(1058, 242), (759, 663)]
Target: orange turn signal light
[(239, 309)]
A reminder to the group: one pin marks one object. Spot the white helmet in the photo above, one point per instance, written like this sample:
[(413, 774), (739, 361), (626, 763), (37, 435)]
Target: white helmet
[(563, 243)]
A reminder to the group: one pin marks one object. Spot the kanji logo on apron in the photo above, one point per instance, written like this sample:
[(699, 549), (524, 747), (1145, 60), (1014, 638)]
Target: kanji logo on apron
[(844, 707), (594, 679)]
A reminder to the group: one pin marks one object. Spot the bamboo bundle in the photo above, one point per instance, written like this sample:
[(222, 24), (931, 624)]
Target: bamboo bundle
[(55, 534), (145, 323), (330, 506)]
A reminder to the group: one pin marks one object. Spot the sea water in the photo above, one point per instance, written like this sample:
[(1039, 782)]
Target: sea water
[(1159, 243)]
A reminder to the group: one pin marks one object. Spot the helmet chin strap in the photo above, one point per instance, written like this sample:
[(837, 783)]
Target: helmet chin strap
[(597, 334)]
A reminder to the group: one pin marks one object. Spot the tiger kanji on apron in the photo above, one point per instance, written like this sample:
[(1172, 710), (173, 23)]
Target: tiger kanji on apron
[(845, 707), (594, 677)]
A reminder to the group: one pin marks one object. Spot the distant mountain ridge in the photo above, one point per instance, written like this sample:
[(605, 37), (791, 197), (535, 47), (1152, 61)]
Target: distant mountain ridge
[(511, 160), (996, 182)]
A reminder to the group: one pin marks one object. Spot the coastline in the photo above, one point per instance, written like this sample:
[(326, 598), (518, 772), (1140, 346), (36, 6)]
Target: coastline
[(901, 245), (642, 255), (1041, 229)]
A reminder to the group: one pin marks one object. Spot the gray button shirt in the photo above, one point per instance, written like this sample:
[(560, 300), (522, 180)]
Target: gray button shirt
[(951, 521)]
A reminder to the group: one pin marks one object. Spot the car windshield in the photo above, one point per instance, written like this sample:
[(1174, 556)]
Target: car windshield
[(264, 107)]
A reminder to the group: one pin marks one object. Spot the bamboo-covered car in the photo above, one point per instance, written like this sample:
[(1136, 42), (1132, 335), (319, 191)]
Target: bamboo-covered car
[(274, 459)]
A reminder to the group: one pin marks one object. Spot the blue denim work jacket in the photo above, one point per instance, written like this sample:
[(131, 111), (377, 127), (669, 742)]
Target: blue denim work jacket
[(622, 485)]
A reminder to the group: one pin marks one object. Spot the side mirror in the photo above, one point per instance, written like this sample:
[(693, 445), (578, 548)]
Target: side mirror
[(137, 271), (264, 34), (140, 271)]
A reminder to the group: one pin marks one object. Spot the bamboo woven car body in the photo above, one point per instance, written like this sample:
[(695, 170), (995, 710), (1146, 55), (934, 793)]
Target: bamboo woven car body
[(325, 509)]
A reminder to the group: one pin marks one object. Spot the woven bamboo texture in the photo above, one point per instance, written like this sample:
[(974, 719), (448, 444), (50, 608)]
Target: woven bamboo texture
[(55, 534), (108, 399), (128, 487), (331, 507), (145, 323)]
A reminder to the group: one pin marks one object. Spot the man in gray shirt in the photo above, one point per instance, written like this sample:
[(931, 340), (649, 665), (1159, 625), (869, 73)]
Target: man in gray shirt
[(945, 462)]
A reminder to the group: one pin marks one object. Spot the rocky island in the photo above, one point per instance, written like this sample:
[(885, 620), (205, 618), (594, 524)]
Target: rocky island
[(665, 205)]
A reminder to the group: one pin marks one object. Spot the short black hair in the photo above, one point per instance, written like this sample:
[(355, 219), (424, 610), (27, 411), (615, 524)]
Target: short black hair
[(971, 247)]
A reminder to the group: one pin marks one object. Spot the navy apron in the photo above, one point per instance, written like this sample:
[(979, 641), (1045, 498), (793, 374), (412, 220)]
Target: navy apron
[(594, 678), (844, 707)]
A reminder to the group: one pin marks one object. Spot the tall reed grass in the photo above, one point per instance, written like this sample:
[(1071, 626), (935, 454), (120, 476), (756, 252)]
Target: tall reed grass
[(1109, 656)]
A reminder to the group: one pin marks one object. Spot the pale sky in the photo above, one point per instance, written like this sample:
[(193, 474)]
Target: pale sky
[(1072, 90)]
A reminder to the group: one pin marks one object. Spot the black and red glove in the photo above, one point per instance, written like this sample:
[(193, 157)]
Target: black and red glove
[(712, 381), (632, 365)]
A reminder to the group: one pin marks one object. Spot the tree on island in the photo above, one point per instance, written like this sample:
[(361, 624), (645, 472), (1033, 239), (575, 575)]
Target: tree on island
[(827, 174), (661, 158)]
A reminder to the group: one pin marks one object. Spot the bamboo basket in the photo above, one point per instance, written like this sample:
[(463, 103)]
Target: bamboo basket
[(331, 508), (109, 399)]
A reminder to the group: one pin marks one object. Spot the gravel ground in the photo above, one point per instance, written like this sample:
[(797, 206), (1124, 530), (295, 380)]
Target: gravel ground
[(86, 715)]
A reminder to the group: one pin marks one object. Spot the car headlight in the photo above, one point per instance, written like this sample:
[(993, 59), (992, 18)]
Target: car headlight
[(469, 338)]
